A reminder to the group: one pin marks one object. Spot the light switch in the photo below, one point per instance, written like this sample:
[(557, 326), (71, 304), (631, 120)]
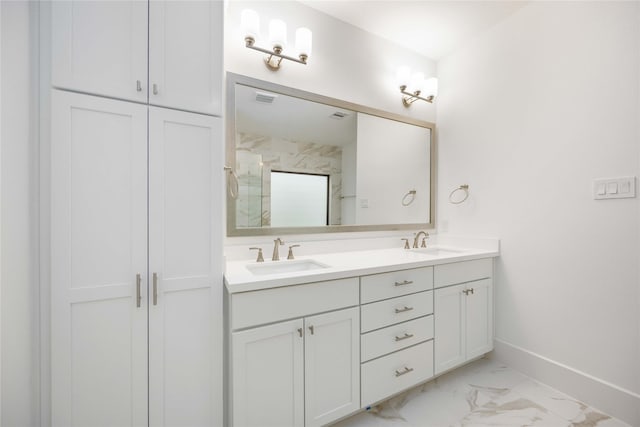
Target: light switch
[(625, 187), (614, 188)]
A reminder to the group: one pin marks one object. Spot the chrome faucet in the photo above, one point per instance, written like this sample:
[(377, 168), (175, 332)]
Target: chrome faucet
[(276, 254), (417, 239)]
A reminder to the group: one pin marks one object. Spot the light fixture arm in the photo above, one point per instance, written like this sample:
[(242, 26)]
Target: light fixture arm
[(277, 52), (410, 98)]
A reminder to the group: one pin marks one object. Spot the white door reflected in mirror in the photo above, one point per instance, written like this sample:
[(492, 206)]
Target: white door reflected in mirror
[(299, 199)]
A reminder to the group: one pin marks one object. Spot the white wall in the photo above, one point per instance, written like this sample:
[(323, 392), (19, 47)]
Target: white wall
[(529, 114), (346, 63), (19, 333)]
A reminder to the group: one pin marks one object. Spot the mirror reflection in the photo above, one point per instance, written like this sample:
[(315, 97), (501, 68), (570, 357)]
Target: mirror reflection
[(319, 166)]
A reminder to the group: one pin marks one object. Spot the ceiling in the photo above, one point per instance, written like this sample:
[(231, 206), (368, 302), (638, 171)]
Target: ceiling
[(431, 28), (292, 118)]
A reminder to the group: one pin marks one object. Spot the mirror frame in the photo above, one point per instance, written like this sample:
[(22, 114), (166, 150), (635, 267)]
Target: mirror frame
[(230, 160)]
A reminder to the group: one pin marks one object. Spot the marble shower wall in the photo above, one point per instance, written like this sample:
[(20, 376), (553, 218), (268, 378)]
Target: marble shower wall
[(280, 154)]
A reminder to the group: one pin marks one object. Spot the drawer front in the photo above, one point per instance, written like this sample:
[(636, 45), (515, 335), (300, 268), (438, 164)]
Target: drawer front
[(396, 337), (460, 272), (396, 310), (396, 283), (396, 372), (271, 305)]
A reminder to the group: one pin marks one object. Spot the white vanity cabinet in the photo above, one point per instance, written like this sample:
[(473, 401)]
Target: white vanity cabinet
[(463, 307), (304, 371), (397, 332), (310, 354), (106, 48)]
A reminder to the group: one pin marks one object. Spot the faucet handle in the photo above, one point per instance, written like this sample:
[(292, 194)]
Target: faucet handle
[(424, 241), (290, 256), (260, 257), (406, 243)]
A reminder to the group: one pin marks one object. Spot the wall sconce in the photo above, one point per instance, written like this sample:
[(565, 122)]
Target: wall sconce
[(250, 24), (413, 86)]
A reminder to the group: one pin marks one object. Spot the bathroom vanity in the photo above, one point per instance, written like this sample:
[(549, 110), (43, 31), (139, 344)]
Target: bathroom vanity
[(316, 339)]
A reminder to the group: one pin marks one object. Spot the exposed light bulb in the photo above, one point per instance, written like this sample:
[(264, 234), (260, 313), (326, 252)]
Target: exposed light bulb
[(250, 23), (303, 42), (278, 33), (403, 74)]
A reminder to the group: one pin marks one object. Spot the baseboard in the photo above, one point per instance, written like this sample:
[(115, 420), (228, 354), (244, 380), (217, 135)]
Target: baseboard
[(602, 395)]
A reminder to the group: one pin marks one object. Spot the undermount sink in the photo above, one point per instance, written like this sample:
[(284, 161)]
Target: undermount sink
[(437, 251), (289, 266)]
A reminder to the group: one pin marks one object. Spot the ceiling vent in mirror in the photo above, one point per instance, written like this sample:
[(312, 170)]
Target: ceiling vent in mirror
[(265, 98), (338, 115)]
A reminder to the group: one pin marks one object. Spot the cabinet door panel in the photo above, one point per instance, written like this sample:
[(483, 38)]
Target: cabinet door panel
[(479, 323), (185, 55), (267, 375), (185, 301), (449, 327), (98, 246), (100, 47), (332, 366)]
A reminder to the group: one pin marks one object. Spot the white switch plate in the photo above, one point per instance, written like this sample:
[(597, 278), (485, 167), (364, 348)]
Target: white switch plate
[(614, 188)]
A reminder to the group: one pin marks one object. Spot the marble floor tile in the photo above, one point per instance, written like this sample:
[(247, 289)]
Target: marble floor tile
[(482, 393)]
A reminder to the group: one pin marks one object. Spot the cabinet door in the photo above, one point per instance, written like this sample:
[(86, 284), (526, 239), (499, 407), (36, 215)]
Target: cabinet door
[(100, 47), (185, 256), (479, 322), (98, 248), (185, 55), (449, 327), (267, 376), (332, 366)]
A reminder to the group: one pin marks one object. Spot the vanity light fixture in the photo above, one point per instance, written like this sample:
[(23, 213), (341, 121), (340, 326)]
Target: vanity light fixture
[(415, 86), (250, 24)]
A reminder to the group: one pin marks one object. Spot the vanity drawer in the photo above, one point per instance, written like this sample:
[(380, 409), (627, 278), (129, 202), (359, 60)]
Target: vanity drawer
[(396, 372), (461, 272), (396, 337), (396, 283), (396, 310), (271, 305)]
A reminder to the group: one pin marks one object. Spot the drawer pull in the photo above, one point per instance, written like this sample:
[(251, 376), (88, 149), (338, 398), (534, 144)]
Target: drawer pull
[(402, 310), (406, 370), (404, 337), (406, 282)]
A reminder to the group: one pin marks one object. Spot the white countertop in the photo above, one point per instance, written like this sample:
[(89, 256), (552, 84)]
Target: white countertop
[(345, 264)]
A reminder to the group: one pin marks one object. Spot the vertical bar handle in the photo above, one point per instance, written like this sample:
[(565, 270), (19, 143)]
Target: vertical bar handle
[(155, 288), (138, 295), (300, 332), (155, 89), (311, 329), (138, 85)]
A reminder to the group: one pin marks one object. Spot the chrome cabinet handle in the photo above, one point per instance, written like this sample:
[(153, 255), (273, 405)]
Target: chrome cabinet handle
[(406, 370), (311, 329), (155, 89), (406, 282), (300, 332), (155, 288), (466, 292), (138, 296), (471, 290), (404, 337), (402, 310), (138, 85)]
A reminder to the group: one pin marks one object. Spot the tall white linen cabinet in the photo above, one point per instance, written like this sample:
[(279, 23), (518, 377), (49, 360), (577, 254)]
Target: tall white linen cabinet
[(136, 213)]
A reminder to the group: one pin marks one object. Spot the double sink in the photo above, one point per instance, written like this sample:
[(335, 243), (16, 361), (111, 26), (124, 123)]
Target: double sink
[(293, 266)]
